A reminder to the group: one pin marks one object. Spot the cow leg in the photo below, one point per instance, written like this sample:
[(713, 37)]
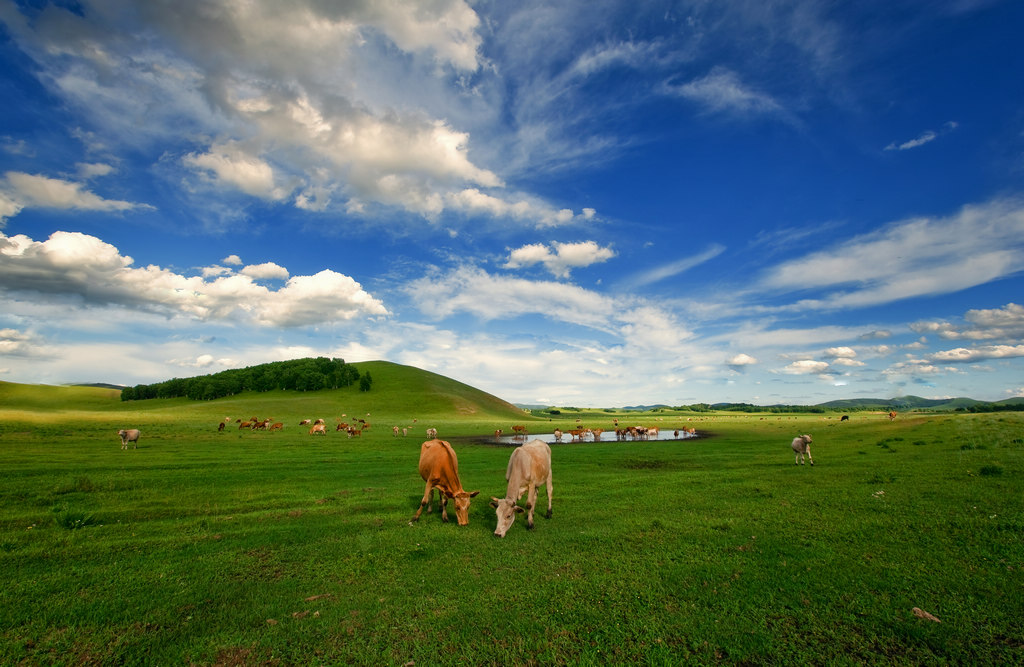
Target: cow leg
[(548, 515), (809, 457), (425, 502), (531, 503), (443, 501)]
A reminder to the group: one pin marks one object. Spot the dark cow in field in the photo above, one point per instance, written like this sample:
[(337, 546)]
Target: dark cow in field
[(844, 418), (528, 466), (129, 435), (439, 468)]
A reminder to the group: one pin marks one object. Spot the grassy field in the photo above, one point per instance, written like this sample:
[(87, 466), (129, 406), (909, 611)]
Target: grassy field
[(256, 548)]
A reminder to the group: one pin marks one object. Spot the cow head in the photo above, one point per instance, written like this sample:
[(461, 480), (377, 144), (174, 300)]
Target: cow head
[(462, 506), (807, 439), (506, 509)]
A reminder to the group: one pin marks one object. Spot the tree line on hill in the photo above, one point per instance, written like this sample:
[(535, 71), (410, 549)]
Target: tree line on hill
[(294, 375)]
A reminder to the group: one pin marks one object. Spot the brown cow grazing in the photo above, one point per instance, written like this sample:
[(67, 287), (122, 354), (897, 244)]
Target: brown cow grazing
[(318, 429), (276, 426), (129, 435), (892, 415), (802, 446), (519, 431), (439, 468), (220, 426), (528, 466)]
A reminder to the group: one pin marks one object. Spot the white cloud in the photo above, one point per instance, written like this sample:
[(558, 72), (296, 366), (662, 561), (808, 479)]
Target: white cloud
[(230, 164), (985, 352), (234, 260), (671, 269), (722, 91), (840, 352), (19, 190), (917, 257), (926, 137), (741, 360), (806, 367), (474, 291), (267, 270), (559, 258), (78, 265), (1006, 322)]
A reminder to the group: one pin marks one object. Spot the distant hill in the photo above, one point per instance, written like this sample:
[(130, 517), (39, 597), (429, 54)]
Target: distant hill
[(902, 403)]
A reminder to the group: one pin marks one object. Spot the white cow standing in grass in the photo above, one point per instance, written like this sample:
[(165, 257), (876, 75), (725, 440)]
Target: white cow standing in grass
[(129, 435), (802, 446), (529, 466)]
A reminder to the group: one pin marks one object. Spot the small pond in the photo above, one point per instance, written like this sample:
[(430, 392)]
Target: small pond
[(607, 436)]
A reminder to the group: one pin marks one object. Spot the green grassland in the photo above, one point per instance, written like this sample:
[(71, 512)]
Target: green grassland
[(238, 547)]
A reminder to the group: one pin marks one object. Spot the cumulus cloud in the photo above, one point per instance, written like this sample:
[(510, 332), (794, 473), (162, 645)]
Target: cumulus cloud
[(740, 361), (840, 352), (559, 258), (234, 260), (82, 266), (14, 342), (230, 164), (806, 367), (981, 324), (299, 103), (962, 355), (267, 270)]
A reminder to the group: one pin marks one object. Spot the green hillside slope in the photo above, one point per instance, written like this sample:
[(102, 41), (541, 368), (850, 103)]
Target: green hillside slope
[(398, 393), (17, 396)]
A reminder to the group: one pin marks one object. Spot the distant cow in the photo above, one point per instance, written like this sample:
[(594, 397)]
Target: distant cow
[(129, 435), (318, 429), (432, 433), (802, 446), (220, 426), (844, 418), (439, 468), (528, 466), (892, 415)]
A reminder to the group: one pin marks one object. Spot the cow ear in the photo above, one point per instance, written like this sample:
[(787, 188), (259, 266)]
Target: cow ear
[(518, 510), (494, 502), (474, 494)]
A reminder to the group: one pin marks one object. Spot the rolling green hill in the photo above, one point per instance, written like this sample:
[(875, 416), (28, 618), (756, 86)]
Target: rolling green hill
[(398, 393)]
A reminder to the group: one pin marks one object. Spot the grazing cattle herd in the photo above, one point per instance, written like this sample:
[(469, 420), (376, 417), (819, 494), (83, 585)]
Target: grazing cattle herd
[(529, 465)]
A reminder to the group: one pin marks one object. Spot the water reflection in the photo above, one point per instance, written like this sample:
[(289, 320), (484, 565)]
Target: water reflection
[(606, 436)]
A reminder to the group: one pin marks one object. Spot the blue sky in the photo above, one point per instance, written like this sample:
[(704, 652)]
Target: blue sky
[(574, 203)]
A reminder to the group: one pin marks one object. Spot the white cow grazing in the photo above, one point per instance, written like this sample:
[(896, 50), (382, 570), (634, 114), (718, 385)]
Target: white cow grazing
[(802, 445), (432, 433), (528, 466), (129, 435)]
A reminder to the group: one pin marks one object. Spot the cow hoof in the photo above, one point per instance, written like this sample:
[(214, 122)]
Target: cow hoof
[(548, 515), (529, 526)]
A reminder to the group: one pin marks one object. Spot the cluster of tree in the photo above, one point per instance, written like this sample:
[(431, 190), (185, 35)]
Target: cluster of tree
[(295, 375), (748, 407), (994, 407)]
